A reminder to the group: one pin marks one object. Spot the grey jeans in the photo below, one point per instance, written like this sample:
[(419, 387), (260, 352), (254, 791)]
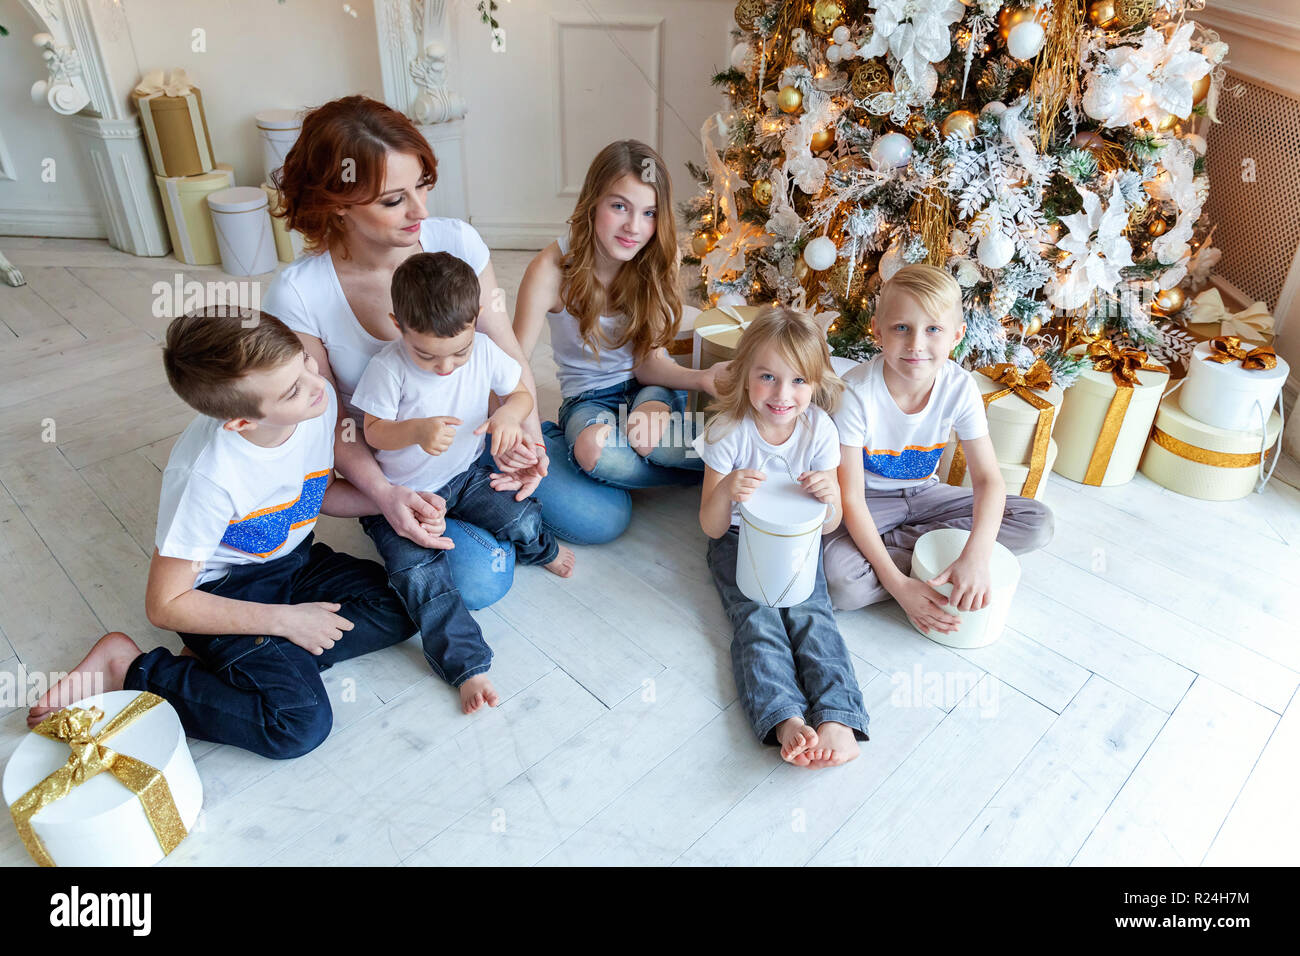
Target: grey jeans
[(903, 516)]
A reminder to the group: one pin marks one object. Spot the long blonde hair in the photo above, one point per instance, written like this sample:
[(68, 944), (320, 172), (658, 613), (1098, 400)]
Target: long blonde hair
[(645, 290), (798, 341)]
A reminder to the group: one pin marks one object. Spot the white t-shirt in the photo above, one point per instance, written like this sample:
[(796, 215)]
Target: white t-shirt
[(814, 445), (576, 366), (226, 501), (396, 389), (900, 450), (307, 297)]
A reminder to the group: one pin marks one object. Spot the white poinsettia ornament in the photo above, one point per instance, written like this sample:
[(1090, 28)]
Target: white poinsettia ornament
[(1097, 249), (1177, 182), (917, 33), (1173, 249), (1148, 81)]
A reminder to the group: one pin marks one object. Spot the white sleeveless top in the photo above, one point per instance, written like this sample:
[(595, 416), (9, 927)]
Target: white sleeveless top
[(576, 366), (307, 297)]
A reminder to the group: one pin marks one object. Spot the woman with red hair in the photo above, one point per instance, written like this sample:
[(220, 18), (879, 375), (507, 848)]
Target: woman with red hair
[(355, 185)]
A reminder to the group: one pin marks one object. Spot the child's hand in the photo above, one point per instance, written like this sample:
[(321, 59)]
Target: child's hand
[(970, 580), (821, 486), (924, 606), (743, 482), (438, 433), (505, 429), (436, 524), (314, 627)]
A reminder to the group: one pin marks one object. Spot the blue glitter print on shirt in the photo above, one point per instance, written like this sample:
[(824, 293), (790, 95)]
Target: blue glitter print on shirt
[(264, 532), (913, 463)]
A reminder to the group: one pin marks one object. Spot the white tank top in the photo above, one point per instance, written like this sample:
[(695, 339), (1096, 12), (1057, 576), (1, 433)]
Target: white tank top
[(576, 366)]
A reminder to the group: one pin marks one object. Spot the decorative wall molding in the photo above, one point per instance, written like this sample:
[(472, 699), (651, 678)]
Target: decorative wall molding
[(51, 221), (507, 234), (7, 168), (1265, 27), (1257, 43), (568, 182), (132, 207)]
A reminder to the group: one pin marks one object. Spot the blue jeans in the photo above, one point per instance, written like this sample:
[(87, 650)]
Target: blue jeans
[(452, 641), (672, 462), (262, 692), (788, 661)]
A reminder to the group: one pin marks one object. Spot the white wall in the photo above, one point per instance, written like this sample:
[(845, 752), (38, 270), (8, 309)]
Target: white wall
[(30, 134)]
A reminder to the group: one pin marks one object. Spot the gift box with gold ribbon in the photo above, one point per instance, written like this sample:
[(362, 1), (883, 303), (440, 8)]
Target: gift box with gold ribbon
[(1232, 384), (288, 242), (1202, 461), (189, 223), (1021, 409), (175, 129), (108, 781), (1106, 415), (718, 332)]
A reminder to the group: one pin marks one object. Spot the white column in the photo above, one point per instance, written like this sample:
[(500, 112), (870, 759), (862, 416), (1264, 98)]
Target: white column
[(91, 65)]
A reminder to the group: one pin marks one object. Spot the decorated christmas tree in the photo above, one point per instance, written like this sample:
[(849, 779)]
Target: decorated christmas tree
[(1047, 154)]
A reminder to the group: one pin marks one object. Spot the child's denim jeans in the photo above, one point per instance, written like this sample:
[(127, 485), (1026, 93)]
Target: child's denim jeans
[(453, 643), (788, 661), (262, 692), (673, 462)]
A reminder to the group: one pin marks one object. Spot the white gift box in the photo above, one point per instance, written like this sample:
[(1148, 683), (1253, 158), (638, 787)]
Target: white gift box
[(278, 131), (934, 551), (243, 227), (1225, 395), (780, 538), (101, 822)]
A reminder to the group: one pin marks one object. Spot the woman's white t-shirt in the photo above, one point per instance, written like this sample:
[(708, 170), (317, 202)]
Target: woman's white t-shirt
[(576, 366), (814, 445), (307, 297)]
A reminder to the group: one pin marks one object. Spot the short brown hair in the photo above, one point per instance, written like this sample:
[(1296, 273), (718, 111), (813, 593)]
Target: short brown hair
[(207, 354), (435, 293), (339, 159)]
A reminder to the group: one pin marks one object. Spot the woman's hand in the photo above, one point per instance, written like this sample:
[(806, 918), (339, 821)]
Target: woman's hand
[(413, 514)]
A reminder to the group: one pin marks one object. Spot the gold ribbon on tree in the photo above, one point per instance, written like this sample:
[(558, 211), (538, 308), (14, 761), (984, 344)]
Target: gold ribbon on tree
[(89, 758), (1038, 377), (1228, 348), (1123, 365)]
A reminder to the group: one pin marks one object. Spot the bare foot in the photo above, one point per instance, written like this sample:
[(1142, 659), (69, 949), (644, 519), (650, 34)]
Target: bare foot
[(796, 739), (476, 692), (563, 563), (100, 671), (836, 745)]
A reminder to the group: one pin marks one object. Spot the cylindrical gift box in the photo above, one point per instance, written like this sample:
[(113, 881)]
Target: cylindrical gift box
[(188, 221), (101, 822), (243, 230), (1201, 461), (288, 242), (1224, 394), (934, 551), (1013, 421), (278, 130), (176, 133), (1015, 475), (717, 334), (1082, 415), (780, 541)]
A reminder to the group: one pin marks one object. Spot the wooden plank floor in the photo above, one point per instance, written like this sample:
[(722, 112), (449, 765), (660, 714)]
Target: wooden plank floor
[(1140, 708)]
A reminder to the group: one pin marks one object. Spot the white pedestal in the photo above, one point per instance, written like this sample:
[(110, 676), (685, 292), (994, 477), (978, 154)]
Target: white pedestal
[(132, 207)]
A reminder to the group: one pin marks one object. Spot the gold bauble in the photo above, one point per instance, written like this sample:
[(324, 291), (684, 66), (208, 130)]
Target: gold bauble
[(839, 283), (915, 126), (870, 78), (1168, 301), (1034, 326), (873, 284), (1129, 13), (789, 100), (700, 244), (826, 16), (1157, 227), (960, 123), (1101, 13), (1201, 89), (823, 140), (762, 192), (1168, 122), (801, 270), (747, 11), (1011, 16)]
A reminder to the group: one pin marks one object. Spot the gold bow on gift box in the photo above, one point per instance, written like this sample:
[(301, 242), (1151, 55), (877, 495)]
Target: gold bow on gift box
[(89, 758), (1229, 348), (1123, 365), (1009, 376)]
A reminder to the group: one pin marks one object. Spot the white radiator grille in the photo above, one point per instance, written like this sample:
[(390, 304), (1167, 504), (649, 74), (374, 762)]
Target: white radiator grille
[(1258, 222)]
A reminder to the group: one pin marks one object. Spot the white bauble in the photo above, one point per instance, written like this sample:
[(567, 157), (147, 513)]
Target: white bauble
[(995, 108), (995, 250), (834, 54), (1025, 39), (841, 34), (1101, 100), (731, 298), (890, 262), (742, 57), (968, 273), (891, 151), (820, 254)]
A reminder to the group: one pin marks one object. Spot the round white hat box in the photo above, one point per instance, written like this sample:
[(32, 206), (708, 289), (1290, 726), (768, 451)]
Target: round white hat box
[(243, 227), (1225, 394), (278, 131), (934, 551), (101, 822), (780, 542)]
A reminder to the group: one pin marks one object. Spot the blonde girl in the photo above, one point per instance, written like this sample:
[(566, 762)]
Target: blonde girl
[(793, 672), (609, 291)]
